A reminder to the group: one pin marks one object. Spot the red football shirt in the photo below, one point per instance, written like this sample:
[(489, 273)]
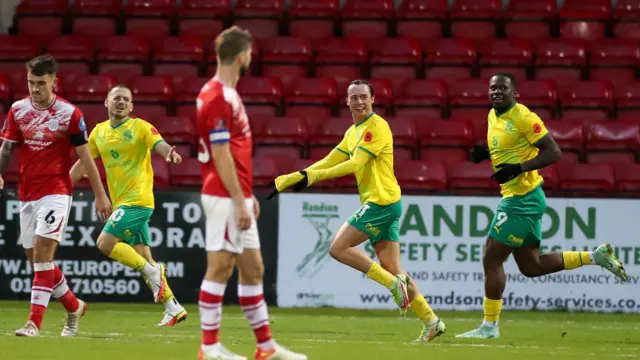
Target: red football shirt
[(222, 118), (45, 147)]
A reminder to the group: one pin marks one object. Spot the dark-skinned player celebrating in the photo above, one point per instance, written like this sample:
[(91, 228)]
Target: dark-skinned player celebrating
[(520, 145)]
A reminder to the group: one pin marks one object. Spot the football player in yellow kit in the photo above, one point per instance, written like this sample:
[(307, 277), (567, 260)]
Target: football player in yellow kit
[(520, 145), (366, 151), (125, 144)]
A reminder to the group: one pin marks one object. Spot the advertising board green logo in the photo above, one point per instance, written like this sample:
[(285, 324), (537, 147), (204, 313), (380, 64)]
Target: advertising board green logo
[(320, 216)]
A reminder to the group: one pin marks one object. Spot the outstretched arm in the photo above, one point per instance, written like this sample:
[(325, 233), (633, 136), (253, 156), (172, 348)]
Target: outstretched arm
[(360, 159), (335, 157)]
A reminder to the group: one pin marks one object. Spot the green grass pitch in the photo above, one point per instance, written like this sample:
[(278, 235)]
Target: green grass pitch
[(126, 331)]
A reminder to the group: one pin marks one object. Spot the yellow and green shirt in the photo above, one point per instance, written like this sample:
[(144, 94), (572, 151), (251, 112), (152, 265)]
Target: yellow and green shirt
[(511, 137), (376, 179), (125, 151)]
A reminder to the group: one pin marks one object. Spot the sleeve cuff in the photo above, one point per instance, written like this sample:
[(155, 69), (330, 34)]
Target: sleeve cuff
[(342, 151), (156, 143)]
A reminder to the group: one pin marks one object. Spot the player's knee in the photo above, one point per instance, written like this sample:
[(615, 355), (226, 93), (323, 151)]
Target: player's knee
[(252, 274), (219, 273), (105, 245), (335, 250)]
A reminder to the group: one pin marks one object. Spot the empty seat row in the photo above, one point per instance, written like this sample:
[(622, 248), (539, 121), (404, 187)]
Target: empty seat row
[(318, 18)]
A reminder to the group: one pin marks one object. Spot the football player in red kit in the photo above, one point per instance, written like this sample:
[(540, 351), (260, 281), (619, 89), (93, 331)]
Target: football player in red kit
[(225, 147), (46, 129)]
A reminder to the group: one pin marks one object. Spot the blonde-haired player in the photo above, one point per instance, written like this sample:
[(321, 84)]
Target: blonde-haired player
[(367, 152), (125, 144)]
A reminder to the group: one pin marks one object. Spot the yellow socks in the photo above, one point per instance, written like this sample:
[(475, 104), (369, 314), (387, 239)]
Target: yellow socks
[(126, 255), (576, 259), (492, 310), (422, 309), (380, 275)]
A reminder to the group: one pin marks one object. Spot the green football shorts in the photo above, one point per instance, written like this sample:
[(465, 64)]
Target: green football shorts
[(518, 220), (380, 222), (130, 224)]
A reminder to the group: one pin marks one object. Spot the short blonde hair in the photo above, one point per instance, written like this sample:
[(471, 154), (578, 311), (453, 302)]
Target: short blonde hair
[(232, 42)]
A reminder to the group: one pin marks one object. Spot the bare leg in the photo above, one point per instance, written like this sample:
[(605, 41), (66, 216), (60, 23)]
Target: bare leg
[(532, 264), (343, 248)]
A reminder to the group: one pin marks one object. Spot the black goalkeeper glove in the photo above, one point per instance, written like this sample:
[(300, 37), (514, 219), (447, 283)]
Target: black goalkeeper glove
[(293, 180), (507, 172), (479, 154)]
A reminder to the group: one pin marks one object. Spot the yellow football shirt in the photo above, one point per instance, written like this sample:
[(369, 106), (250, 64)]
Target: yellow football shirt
[(376, 180), (125, 153), (511, 137)]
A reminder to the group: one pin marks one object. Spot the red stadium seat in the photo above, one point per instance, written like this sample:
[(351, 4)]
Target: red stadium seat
[(586, 180), (176, 129), (95, 18), (261, 18), (160, 167), (179, 56), (420, 93), (628, 98), (628, 178), (278, 131), (626, 16), (341, 58), (615, 136), (550, 176), (285, 157), (151, 89), (584, 20), (594, 96), (328, 135), (202, 18), (450, 60), (5, 90), (186, 174), (149, 19), (561, 61), (261, 92), (17, 49), (123, 54), (367, 18), (538, 94), (396, 59), (187, 91), (286, 58), (446, 133), (511, 55), (41, 19), (469, 93), (451, 157), (569, 135), (265, 170), (614, 60), (421, 18), (313, 19), (478, 119), (93, 115), (313, 92), (419, 177), (475, 19), (74, 54), (473, 179), (405, 137), (525, 19), (89, 88)]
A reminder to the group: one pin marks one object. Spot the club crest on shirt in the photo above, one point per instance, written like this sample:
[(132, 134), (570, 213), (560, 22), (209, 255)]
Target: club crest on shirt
[(368, 136), (53, 124), (82, 126), (128, 136)]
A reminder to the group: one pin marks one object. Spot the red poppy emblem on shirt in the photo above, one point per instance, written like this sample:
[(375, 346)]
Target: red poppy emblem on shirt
[(368, 136), (154, 131), (537, 128)]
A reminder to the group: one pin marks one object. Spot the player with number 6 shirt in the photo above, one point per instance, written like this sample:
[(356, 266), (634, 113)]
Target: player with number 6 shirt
[(46, 129)]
